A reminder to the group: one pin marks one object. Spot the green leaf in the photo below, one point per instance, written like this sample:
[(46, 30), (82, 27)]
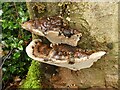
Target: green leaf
[(16, 55), (20, 47), (13, 15), (13, 45), (4, 69), (21, 42), (24, 19), (12, 69)]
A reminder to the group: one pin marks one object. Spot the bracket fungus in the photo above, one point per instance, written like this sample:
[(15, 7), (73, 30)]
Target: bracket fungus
[(54, 29), (62, 55), (66, 54)]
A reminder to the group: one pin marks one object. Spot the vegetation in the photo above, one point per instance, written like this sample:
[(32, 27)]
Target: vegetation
[(14, 40), (33, 76)]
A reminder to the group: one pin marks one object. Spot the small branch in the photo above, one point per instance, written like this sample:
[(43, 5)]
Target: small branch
[(5, 58), (16, 11)]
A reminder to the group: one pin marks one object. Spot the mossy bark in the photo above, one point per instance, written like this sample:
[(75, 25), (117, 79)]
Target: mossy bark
[(37, 10), (33, 79)]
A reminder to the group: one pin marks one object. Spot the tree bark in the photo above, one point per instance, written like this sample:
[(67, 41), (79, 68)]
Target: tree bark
[(98, 23)]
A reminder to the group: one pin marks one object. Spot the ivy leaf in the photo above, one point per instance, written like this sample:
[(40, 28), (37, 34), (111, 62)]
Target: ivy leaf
[(13, 14), (12, 69), (16, 55), (21, 42), (20, 47), (4, 69)]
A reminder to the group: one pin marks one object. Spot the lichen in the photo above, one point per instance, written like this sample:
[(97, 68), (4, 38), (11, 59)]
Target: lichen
[(33, 76)]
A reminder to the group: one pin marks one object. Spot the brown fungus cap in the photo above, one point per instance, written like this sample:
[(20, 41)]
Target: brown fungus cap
[(54, 29)]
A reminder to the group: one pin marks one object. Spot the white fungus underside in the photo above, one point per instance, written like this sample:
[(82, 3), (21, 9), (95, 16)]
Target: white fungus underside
[(80, 63), (55, 38)]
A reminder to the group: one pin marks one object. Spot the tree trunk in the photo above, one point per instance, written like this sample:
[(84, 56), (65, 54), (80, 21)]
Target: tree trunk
[(98, 23)]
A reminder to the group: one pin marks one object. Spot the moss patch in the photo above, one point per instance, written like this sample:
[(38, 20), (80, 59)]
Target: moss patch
[(33, 76)]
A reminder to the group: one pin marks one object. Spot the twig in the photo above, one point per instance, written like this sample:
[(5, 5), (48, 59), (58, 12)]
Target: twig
[(9, 53)]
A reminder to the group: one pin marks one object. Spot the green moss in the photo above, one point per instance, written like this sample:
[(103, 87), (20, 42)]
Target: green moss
[(33, 76)]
